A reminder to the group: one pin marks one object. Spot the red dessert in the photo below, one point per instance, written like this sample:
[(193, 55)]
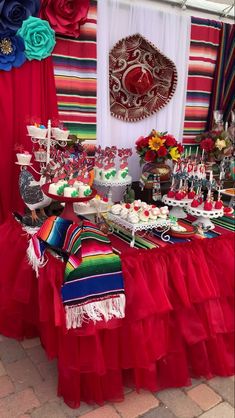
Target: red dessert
[(127, 205), (195, 203), (179, 195), (171, 194), (191, 194), (218, 204), (228, 211), (208, 206), (136, 208)]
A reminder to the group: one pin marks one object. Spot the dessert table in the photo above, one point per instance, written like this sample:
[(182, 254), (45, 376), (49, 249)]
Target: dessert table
[(178, 324)]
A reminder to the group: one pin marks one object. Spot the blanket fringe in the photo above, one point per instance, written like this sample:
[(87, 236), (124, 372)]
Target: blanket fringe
[(35, 261), (96, 311)]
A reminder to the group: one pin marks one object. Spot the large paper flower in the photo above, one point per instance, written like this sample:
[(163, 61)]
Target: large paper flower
[(11, 51), (65, 16), (13, 12), (38, 37)]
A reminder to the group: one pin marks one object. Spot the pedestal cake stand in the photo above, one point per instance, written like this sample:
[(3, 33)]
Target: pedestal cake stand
[(113, 183), (204, 216), (177, 206), (68, 212)]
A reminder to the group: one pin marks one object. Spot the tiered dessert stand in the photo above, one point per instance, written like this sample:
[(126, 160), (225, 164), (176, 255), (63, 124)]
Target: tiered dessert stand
[(177, 206), (47, 142), (113, 183), (204, 216), (161, 225)]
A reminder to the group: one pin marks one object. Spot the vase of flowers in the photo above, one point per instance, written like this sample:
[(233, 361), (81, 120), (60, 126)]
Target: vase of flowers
[(157, 152), (216, 145)]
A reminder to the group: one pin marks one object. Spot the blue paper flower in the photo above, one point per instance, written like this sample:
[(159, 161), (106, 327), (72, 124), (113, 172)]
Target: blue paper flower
[(11, 51), (38, 37), (13, 12)]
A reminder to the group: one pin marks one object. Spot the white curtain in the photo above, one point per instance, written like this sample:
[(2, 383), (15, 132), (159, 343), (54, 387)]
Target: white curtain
[(170, 33)]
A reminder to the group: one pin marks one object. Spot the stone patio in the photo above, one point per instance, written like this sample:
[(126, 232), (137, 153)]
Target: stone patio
[(28, 383)]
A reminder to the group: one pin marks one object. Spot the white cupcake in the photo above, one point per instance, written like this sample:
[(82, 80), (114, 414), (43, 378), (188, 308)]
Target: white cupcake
[(124, 213), (164, 212), (77, 184), (84, 190), (144, 205), (70, 192), (133, 218), (116, 209), (154, 213), (144, 215), (53, 187)]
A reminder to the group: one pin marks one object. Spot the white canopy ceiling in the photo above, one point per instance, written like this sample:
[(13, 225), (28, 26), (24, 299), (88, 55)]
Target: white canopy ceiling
[(223, 8)]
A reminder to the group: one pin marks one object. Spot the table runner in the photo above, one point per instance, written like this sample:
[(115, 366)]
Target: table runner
[(93, 283)]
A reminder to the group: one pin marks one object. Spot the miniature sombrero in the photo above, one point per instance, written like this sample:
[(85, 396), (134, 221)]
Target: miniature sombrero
[(142, 80)]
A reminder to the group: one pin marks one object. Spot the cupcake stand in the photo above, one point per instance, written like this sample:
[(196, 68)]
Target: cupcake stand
[(161, 225), (113, 183), (68, 212), (46, 142)]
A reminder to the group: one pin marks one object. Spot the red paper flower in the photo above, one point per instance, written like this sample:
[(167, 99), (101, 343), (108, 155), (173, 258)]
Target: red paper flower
[(65, 16), (142, 142), (207, 144), (170, 140), (150, 156), (162, 152)]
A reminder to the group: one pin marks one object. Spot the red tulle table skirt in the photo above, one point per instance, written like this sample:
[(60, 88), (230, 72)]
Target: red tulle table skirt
[(178, 324)]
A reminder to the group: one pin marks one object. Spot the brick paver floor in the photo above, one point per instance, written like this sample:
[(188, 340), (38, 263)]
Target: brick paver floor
[(28, 384)]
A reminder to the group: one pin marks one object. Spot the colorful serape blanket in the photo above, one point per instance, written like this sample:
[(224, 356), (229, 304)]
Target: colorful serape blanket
[(93, 283), (224, 80), (75, 78), (205, 38)]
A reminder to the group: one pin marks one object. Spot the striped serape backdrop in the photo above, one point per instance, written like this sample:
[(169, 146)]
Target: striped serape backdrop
[(75, 78), (93, 283), (223, 96), (205, 37)]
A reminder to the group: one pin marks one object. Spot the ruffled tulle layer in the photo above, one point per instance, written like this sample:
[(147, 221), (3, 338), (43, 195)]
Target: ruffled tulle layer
[(178, 325)]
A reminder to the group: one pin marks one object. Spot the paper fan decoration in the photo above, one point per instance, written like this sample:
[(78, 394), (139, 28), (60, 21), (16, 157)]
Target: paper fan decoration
[(142, 80)]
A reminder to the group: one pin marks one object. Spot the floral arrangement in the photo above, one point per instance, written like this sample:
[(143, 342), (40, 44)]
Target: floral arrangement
[(158, 147), (216, 144), (22, 35)]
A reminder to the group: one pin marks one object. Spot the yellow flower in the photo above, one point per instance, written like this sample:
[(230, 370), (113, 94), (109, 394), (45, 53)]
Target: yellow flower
[(174, 153), (220, 144), (156, 142)]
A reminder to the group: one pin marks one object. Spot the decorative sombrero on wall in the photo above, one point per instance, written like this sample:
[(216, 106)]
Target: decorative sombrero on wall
[(142, 80)]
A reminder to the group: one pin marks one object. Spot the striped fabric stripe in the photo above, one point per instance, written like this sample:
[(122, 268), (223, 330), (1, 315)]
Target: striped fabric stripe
[(224, 81), (202, 59), (75, 78)]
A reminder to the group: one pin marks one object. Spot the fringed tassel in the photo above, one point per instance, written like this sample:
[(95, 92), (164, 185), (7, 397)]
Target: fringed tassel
[(95, 311), (34, 260)]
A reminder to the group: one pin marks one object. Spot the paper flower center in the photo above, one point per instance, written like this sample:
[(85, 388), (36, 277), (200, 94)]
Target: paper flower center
[(6, 46)]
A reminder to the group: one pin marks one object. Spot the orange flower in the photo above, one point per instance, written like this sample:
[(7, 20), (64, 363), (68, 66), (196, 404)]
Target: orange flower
[(156, 142)]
